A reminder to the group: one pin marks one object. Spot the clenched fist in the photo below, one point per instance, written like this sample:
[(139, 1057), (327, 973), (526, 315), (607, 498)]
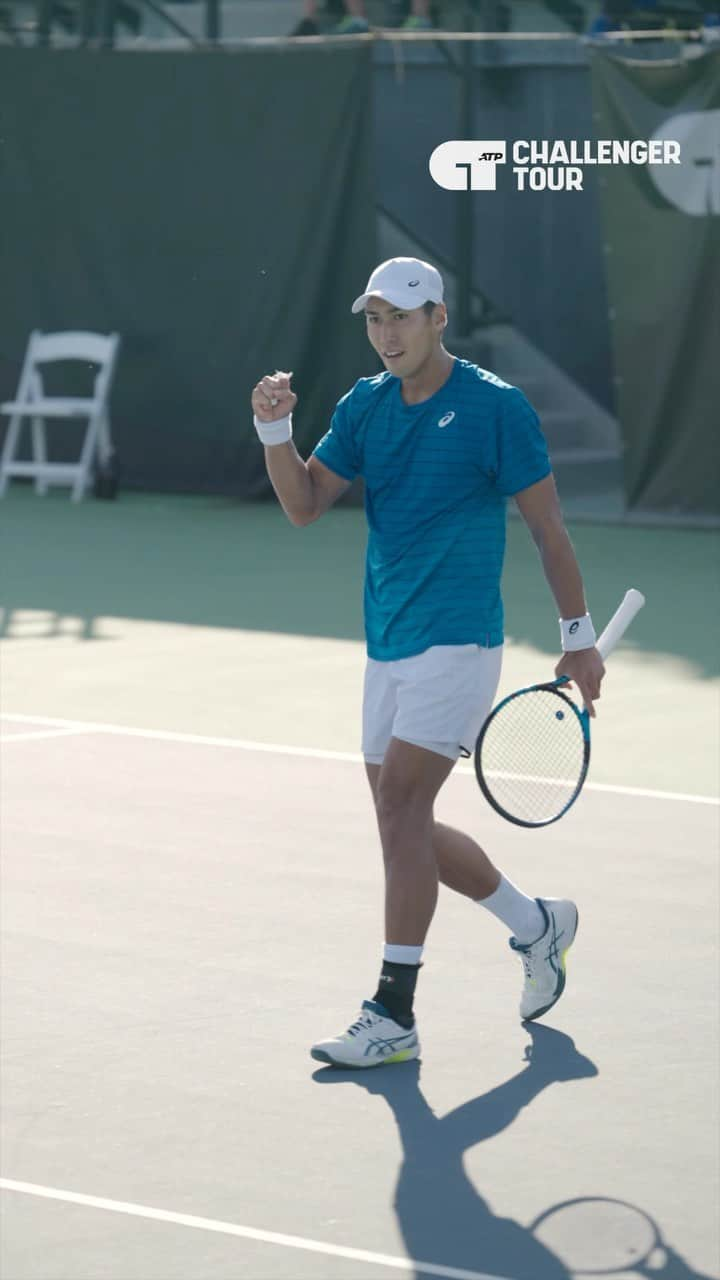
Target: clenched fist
[(272, 398)]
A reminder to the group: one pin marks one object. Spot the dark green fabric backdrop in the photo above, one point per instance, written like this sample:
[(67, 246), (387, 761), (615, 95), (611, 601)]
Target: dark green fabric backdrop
[(217, 210), (663, 265)]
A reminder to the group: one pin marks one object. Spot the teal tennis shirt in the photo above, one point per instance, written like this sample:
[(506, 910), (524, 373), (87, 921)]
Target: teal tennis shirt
[(437, 476)]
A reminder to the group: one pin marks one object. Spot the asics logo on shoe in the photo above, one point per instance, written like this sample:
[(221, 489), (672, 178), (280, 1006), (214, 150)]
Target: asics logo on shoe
[(553, 951), (446, 419), (390, 1045)]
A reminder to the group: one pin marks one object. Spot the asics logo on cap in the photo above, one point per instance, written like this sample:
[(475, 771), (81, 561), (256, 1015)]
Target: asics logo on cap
[(406, 283), (446, 419)]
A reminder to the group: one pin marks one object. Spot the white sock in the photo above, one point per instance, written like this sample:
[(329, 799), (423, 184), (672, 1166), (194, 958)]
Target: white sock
[(521, 914), (398, 954)]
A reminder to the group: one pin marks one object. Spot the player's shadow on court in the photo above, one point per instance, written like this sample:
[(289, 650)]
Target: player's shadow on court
[(443, 1219), (446, 1223)]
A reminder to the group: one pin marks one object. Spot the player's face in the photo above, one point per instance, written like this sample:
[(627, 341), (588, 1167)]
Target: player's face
[(404, 340)]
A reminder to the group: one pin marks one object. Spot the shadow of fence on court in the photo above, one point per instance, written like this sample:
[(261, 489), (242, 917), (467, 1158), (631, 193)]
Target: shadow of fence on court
[(216, 562)]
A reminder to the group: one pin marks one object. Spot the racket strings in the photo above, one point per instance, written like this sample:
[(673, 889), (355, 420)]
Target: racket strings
[(533, 755)]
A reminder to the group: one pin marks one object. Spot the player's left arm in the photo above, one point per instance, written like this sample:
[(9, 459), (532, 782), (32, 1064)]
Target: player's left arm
[(539, 507)]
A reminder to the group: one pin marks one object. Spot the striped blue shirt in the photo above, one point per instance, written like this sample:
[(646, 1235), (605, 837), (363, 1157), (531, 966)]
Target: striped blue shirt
[(437, 476)]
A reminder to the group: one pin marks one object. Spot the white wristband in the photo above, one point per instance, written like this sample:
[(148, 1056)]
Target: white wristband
[(576, 633), (278, 432)]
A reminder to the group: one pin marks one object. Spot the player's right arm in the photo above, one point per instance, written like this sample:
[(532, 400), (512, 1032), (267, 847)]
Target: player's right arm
[(305, 489)]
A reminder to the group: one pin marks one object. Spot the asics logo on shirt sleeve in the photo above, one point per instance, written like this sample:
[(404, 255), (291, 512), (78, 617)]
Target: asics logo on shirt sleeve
[(446, 419)]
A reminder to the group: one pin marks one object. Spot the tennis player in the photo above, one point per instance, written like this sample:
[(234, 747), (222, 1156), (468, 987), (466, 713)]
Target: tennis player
[(441, 444)]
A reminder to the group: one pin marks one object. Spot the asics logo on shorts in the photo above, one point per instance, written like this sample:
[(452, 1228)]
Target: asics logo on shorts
[(446, 419)]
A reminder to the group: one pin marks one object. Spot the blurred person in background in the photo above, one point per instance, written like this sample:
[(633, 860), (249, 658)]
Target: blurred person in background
[(650, 15), (349, 17)]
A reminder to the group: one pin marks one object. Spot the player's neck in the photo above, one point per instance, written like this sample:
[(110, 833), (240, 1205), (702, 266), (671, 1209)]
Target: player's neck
[(428, 379)]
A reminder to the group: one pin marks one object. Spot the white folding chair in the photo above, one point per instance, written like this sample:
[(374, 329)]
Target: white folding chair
[(32, 402)]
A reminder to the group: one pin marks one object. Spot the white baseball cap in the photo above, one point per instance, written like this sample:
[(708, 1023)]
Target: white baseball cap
[(406, 282)]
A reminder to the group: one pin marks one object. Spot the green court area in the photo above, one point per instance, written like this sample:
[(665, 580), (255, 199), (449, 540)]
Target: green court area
[(205, 615), (191, 894)]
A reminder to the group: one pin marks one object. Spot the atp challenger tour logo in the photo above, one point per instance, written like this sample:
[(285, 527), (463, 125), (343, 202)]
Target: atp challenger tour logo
[(541, 165)]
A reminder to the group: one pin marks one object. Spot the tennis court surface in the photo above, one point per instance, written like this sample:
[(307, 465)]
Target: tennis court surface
[(192, 894)]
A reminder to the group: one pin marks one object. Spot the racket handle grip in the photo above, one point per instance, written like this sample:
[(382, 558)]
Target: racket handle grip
[(619, 623)]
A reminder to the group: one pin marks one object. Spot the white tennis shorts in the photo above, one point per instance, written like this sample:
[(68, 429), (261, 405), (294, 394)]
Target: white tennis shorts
[(438, 699)]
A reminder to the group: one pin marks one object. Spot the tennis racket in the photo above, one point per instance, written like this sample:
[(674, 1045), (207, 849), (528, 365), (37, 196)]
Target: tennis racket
[(599, 1236), (533, 752)]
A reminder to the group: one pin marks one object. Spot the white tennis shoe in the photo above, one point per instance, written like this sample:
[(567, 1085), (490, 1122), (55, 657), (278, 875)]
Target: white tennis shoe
[(544, 960), (373, 1040)]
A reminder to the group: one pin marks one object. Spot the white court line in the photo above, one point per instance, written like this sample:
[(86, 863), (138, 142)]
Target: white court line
[(246, 1233), (313, 753), (41, 733)]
